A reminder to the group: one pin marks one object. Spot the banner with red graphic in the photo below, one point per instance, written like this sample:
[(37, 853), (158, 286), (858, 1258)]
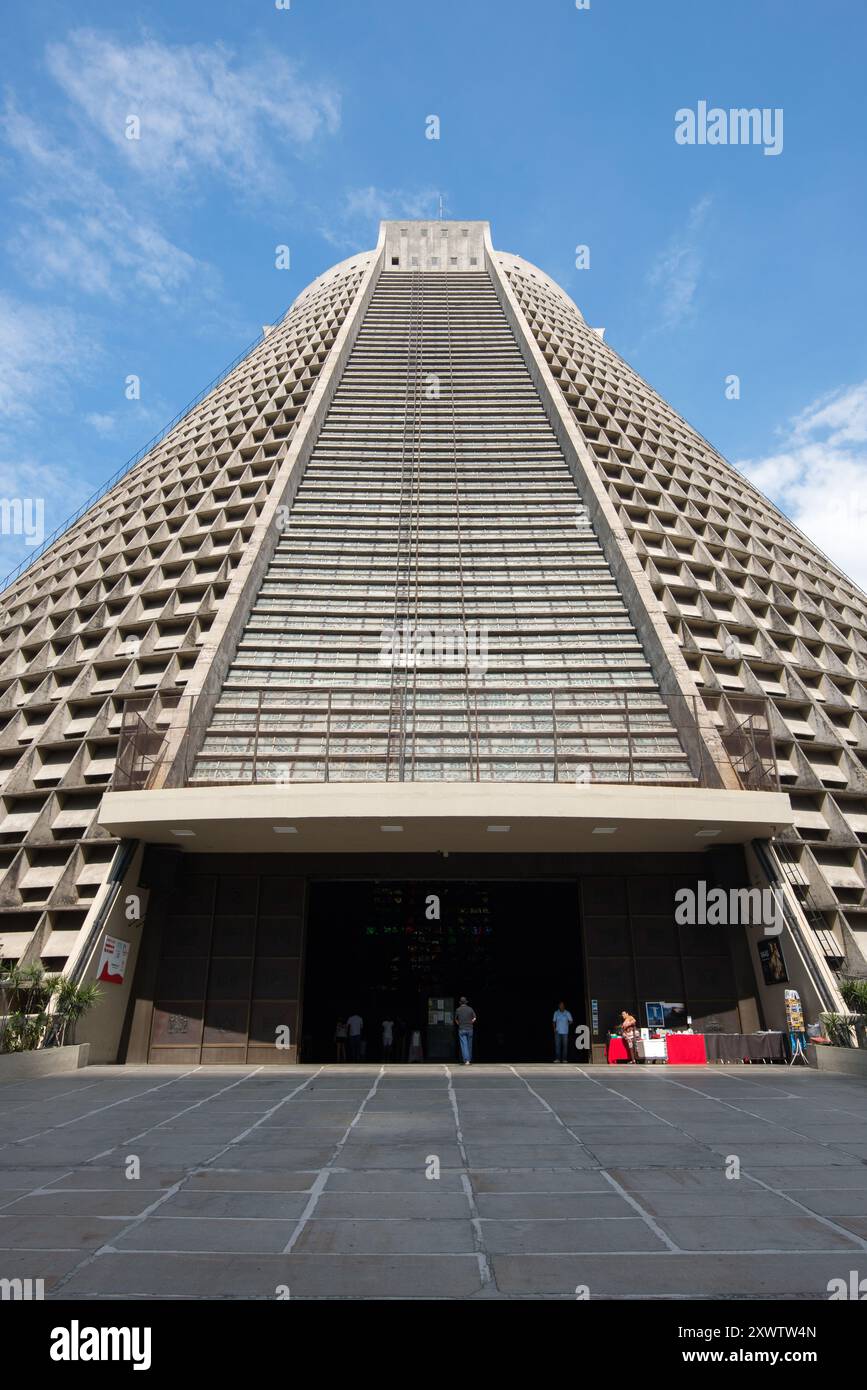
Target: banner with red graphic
[(112, 962)]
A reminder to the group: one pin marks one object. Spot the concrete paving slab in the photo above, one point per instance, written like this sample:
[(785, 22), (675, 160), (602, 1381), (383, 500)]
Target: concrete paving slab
[(379, 1227), (57, 1232), (359, 1154), (264, 1206), (523, 1155), (544, 1180), (362, 1180), (622, 1233), (124, 1204), (258, 1276), (433, 1204), (193, 1235), (411, 1237), (689, 1276), (753, 1232), (503, 1206)]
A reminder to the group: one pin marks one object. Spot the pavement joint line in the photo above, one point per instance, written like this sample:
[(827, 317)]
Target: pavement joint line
[(195, 1106), (42, 1100), (131, 1139), (325, 1172), (671, 1245), (110, 1106), (740, 1110), (485, 1273), (856, 1240), (170, 1192), (37, 1191), (834, 1109)]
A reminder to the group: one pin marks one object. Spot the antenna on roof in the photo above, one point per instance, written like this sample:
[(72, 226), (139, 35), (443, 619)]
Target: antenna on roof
[(441, 207)]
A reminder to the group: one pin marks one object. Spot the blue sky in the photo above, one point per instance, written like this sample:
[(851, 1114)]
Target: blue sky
[(304, 126)]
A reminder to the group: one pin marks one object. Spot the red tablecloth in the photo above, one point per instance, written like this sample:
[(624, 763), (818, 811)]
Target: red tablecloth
[(686, 1049), (617, 1051)]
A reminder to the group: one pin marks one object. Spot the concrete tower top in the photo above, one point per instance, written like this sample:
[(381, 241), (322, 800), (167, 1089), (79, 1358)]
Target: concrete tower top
[(435, 245)]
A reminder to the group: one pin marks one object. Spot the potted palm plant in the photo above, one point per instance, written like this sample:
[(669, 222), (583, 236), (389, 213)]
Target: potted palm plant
[(854, 992), (72, 1002)]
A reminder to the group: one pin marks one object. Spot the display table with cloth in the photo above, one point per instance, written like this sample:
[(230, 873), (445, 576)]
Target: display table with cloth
[(648, 1050), (617, 1051), (686, 1049), (745, 1047)]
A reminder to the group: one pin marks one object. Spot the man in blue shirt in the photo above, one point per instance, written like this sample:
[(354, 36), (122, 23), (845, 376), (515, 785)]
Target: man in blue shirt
[(562, 1019)]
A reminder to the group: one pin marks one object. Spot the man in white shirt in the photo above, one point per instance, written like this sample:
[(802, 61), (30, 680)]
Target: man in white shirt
[(387, 1038), (355, 1027)]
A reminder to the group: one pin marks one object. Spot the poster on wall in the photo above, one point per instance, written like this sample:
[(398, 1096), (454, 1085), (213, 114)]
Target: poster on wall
[(773, 964), (112, 962)]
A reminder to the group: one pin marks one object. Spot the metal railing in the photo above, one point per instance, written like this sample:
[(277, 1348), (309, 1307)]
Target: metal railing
[(344, 734)]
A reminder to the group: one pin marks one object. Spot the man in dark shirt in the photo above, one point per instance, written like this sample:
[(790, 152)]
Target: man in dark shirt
[(465, 1017)]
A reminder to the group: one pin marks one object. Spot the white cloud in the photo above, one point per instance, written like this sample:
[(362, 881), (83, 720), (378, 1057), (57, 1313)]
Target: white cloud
[(676, 273), (376, 204), (41, 351), (79, 229), (364, 208), (818, 476), (103, 424), (200, 109)]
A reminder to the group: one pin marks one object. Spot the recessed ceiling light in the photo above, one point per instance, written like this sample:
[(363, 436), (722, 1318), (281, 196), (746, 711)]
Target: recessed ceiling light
[(604, 829), (706, 834), (391, 828), (498, 829), (181, 834), (285, 830)]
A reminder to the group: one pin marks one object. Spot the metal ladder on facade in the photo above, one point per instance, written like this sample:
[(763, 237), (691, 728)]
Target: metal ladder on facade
[(471, 714), (784, 853), (405, 560)]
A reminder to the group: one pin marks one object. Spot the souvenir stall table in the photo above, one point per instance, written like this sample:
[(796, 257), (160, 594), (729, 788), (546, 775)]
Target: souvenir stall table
[(688, 1048), (745, 1047)]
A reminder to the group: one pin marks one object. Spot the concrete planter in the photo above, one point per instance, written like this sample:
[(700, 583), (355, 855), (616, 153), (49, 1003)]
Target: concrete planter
[(842, 1061), (48, 1061)]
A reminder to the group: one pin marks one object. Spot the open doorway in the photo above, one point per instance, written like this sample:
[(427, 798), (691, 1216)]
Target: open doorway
[(386, 949)]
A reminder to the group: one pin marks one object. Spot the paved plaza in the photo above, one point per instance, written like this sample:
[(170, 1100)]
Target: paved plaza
[(323, 1182)]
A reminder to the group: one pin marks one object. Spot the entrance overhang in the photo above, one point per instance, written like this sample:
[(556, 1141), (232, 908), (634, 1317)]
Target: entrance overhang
[(434, 816)]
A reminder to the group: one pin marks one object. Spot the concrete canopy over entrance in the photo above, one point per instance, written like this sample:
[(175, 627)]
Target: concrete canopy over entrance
[(406, 816)]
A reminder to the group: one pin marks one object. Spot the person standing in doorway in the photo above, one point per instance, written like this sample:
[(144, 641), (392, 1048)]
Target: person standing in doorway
[(355, 1027), (629, 1034), (465, 1018), (562, 1019), (387, 1039), (340, 1041)]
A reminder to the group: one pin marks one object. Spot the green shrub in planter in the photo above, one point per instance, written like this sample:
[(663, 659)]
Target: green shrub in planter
[(855, 994), (26, 1019), (839, 1027)]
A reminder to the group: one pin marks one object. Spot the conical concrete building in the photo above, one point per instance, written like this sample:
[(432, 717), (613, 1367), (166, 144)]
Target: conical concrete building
[(432, 653)]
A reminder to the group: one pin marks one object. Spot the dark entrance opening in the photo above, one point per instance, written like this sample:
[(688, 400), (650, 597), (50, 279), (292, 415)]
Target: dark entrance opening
[(379, 950)]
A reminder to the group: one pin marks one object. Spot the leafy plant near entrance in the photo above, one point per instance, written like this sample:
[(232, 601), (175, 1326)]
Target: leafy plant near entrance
[(854, 992), (27, 1021), (839, 1027)]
